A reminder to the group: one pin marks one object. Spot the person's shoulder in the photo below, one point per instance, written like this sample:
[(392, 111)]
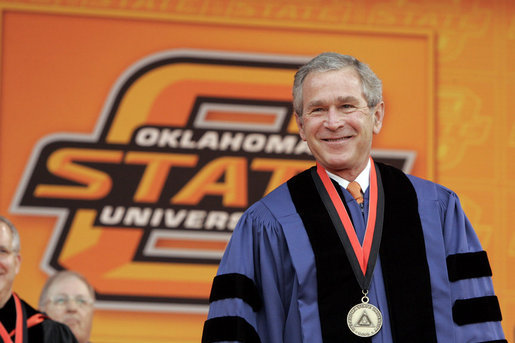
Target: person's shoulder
[(279, 201), (430, 190), (273, 206), (52, 331), (57, 332), (425, 189)]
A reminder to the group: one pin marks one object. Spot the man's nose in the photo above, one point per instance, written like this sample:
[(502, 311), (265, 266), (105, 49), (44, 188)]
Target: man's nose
[(333, 119), (72, 306)]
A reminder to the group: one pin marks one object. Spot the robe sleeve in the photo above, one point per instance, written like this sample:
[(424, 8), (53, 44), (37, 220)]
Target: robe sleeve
[(475, 308), (251, 296)]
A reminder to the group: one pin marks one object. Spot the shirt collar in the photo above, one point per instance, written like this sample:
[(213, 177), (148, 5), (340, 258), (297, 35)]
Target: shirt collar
[(363, 178)]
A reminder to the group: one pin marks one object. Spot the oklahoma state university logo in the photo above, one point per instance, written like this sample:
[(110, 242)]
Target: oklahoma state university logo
[(186, 142)]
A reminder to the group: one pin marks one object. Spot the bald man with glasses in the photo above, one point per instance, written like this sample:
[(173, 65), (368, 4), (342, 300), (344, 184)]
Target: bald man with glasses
[(67, 297)]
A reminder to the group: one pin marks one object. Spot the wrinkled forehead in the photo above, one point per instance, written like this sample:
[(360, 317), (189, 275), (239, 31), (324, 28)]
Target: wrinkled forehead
[(341, 83)]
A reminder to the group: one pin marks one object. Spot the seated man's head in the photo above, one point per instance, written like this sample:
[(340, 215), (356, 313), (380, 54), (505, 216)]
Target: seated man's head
[(68, 298), (9, 258)]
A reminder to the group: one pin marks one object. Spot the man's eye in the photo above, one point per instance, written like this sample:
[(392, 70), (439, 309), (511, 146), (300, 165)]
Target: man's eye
[(60, 301), (81, 301)]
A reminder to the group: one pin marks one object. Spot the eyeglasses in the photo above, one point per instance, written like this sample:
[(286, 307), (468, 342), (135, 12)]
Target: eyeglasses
[(64, 300)]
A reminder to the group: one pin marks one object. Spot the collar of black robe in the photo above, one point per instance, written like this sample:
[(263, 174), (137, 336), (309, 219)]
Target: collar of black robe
[(403, 262)]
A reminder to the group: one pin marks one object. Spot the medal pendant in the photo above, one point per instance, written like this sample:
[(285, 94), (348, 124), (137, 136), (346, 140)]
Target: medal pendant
[(364, 320)]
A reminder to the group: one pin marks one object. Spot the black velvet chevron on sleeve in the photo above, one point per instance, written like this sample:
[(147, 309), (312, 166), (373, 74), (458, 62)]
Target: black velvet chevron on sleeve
[(476, 310), (235, 285), (468, 266), (229, 329)]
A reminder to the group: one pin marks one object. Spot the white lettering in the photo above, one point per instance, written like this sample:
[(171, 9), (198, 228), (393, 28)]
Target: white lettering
[(169, 138), (281, 145), (254, 142), (147, 136), (222, 141), (208, 140), (136, 216), (168, 218), (186, 142), (216, 219), (157, 216), (232, 141), (107, 217), (195, 219), (173, 219)]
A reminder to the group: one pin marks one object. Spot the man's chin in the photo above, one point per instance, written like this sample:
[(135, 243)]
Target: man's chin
[(337, 163), (72, 323)]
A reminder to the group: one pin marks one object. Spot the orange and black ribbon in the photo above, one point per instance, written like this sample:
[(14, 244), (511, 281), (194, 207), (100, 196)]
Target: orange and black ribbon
[(22, 324), (362, 258)]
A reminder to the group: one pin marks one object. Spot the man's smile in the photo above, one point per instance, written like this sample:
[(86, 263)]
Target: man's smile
[(337, 139)]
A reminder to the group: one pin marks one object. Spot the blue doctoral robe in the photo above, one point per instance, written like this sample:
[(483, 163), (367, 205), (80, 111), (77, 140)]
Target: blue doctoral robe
[(270, 285)]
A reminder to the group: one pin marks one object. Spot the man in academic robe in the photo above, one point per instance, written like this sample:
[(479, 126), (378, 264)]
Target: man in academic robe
[(19, 322), (69, 298), (352, 250)]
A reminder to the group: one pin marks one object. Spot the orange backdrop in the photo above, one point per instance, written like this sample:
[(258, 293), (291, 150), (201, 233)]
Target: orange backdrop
[(447, 77)]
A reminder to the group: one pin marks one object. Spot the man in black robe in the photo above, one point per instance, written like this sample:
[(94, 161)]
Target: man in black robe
[(19, 322)]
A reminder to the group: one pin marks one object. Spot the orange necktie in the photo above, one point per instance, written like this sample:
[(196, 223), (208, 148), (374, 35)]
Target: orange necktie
[(355, 190)]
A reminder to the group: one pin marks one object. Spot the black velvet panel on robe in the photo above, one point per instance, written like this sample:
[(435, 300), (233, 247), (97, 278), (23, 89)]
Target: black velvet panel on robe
[(403, 261)]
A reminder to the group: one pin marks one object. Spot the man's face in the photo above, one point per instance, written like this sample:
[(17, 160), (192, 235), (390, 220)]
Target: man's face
[(9, 263), (70, 302), (336, 122)]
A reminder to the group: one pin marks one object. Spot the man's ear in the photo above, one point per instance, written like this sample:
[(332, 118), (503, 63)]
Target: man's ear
[(300, 124), (378, 117), (18, 263)]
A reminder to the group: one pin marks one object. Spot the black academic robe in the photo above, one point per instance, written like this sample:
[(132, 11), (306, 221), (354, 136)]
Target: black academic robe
[(44, 332)]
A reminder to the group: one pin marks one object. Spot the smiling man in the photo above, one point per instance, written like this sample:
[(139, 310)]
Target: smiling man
[(337, 122), (19, 322), (352, 250), (68, 298)]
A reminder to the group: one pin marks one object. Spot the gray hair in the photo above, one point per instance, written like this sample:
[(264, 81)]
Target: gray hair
[(14, 232), (63, 274), (371, 84)]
